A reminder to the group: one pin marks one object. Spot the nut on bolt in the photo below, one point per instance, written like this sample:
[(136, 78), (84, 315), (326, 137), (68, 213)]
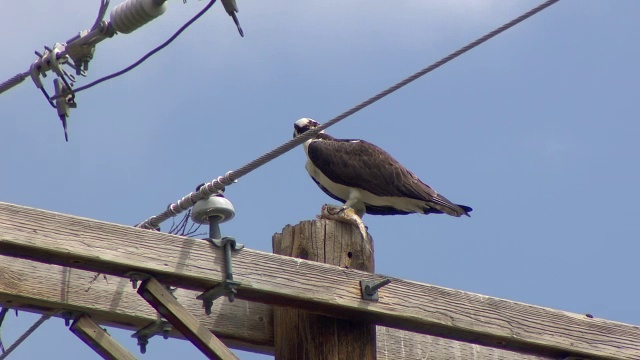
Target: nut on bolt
[(142, 342)]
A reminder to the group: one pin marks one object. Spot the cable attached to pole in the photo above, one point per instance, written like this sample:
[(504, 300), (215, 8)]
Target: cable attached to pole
[(24, 336), (147, 55), (230, 177), (78, 51)]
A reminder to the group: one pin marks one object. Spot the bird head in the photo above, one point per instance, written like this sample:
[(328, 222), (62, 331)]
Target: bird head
[(303, 125)]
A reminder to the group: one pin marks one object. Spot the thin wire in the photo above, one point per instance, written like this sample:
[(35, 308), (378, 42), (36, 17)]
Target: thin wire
[(104, 4), (148, 55), (231, 176), (26, 334), (3, 314)]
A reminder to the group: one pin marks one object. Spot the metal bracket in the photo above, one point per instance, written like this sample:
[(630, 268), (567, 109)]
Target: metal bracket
[(135, 277), (220, 243), (64, 103), (228, 286), (231, 8), (157, 327), (68, 316), (369, 288)]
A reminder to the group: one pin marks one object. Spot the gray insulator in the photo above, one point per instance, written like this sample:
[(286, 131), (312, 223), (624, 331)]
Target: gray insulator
[(132, 14), (212, 206), (12, 82)]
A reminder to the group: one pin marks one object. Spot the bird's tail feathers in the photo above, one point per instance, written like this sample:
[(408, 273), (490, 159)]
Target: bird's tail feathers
[(467, 209), (444, 205)]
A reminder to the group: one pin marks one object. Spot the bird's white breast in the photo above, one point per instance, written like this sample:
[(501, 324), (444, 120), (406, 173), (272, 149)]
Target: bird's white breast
[(345, 192), (338, 190)]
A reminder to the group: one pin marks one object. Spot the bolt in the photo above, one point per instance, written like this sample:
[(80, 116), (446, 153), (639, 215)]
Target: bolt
[(67, 316), (207, 306), (142, 342), (134, 283), (370, 290), (166, 328), (231, 292)]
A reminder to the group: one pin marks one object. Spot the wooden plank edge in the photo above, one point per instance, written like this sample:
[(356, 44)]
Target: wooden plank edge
[(277, 280)]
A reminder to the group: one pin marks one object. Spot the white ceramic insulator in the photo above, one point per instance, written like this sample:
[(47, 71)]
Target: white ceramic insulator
[(132, 14)]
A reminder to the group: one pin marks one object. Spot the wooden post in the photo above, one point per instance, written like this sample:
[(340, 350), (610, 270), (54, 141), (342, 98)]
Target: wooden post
[(277, 280), (300, 334)]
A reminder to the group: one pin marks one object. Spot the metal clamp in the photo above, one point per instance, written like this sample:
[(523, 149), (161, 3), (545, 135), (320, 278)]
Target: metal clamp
[(157, 327), (369, 288), (231, 8), (228, 286), (69, 316)]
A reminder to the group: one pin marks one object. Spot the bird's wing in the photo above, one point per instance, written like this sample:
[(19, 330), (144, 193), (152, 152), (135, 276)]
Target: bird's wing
[(360, 164), (357, 163)]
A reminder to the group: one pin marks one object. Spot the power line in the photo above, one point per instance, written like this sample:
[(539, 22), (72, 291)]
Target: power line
[(26, 334), (146, 56), (102, 11), (219, 183)]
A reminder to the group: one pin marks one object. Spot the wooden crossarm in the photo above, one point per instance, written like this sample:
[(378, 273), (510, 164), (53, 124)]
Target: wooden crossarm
[(278, 280)]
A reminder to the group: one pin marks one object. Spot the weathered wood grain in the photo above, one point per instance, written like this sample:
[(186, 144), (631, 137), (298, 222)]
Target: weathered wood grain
[(110, 300), (394, 344), (37, 287), (268, 278), (300, 334), (98, 339)]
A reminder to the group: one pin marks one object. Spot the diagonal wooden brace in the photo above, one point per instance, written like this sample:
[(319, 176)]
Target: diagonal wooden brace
[(99, 340), (182, 320)]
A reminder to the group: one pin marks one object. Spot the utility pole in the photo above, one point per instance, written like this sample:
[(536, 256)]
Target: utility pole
[(414, 320), (301, 334)]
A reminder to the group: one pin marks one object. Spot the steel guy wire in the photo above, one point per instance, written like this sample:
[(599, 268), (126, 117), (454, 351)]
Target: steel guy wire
[(25, 335), (231, 176)]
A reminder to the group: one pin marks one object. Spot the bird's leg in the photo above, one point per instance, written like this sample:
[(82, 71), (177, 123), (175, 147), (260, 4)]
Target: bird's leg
[(355, 204)]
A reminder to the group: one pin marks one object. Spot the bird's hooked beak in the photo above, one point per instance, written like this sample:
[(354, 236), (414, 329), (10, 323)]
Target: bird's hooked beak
[(303, 125)]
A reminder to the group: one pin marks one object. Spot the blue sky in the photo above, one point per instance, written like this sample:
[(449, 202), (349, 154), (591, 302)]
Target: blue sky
[(536, 130)]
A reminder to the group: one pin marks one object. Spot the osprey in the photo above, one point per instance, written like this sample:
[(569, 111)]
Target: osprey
[(367, 179)]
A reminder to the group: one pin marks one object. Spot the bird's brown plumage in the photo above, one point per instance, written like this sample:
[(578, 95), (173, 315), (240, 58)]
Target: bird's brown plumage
[(346, 161)]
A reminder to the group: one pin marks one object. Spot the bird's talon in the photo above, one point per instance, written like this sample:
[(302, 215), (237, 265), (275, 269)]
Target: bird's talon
[(332, 209)]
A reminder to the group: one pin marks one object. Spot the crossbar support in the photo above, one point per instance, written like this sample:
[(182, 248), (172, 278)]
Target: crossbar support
[(328, 290), (99, 340), (164, 303)]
